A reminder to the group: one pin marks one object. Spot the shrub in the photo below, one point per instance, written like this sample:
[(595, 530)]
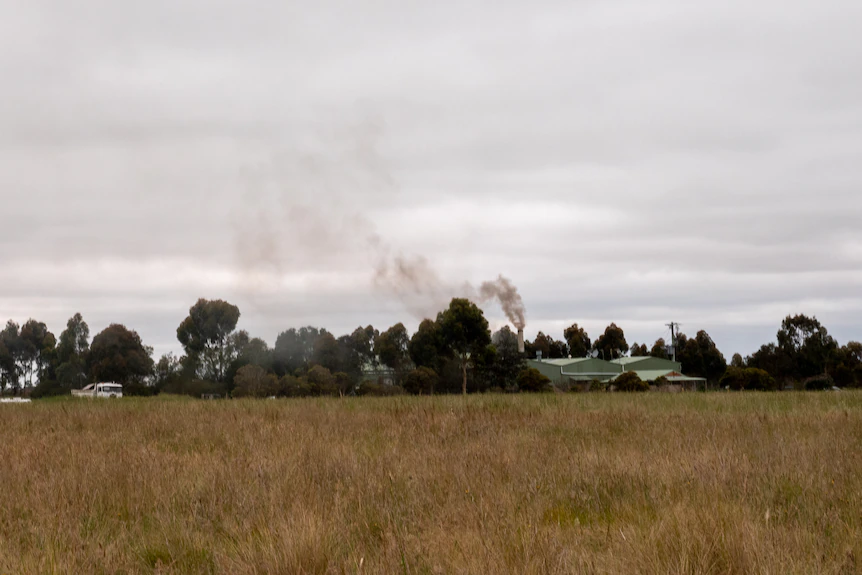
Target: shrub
[(533, 380), (139, 389), (371, 388), (598, 385), (292, 386), (254, 381), (49, 388), (739, 378), (661, 380), (818, 382), (844, 376), (322, 381), (629, 381), (421, 381)]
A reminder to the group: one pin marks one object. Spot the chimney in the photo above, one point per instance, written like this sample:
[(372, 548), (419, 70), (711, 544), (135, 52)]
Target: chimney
[(520, 340)]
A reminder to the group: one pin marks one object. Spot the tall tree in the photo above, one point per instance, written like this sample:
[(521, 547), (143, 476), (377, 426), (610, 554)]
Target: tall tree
[(117, 354), (807, 344), (465, 332), (639, 350), (72, 349), (11, 350), (327, 352), (362, 343), (167, 370), (577, 340), (540, 345), (294, 349), (508, 362), (700, 357), (846, 365), (38, 346), (205, 334), (612, 343), (426, 346), (391, 348)]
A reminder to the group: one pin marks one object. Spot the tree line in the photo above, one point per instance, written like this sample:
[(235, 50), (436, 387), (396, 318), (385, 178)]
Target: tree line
[(454, 353)]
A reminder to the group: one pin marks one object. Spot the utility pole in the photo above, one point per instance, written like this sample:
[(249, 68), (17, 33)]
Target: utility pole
[(673, 325)]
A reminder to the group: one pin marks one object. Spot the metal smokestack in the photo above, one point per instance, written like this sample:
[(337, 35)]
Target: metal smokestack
[(520, 340)]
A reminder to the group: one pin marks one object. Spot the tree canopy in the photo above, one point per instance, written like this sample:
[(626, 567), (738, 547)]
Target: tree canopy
[(464, 331), (117, 354), (612, 343), (204, 335)]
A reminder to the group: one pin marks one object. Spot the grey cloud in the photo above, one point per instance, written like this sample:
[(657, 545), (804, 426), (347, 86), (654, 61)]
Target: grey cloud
[(619, 160)]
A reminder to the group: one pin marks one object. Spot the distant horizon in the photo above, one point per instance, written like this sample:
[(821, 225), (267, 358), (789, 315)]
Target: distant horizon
[(494, 325)]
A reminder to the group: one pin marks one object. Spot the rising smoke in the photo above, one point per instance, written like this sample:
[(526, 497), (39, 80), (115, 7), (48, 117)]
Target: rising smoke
[(303, 212), (505, 292)]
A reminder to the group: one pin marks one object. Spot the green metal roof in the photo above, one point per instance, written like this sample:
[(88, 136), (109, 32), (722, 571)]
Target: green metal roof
[(633, 359), (563, 361)]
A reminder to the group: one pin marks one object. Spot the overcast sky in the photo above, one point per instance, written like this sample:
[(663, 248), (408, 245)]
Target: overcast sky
[(630, 161)]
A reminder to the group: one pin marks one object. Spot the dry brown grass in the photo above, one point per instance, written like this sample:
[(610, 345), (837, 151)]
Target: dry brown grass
[(588, 483)]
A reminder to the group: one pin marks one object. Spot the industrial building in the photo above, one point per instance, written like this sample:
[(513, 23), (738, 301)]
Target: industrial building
[(576, 369), (651, 368), (583, 369)]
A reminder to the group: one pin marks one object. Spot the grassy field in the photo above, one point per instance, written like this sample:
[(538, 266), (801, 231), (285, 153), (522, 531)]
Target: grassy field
[(575, 483)]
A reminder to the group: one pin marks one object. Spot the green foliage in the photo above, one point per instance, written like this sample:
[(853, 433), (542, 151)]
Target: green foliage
[(205, 333), (661, 380), (748, 378), (194, 387), (392, 349), (292, 386), (550, 348), (577, 340), (639, 350), (507, 361), (629, 381), (254, 381), (700, 357), (48, 388), (807, 345), (327, 352), (34, 349), (612, 343), (74, 341), (426, 347), (659, 349), (139, 389), (322, 382), (533, 380), (421, 381), (294, 349), (598, 385), (818, 383), (117, 354), (464, 331)]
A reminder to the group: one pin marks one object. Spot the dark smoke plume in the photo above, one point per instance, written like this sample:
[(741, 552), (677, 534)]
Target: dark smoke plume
[(301, 212), (504, 291)]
